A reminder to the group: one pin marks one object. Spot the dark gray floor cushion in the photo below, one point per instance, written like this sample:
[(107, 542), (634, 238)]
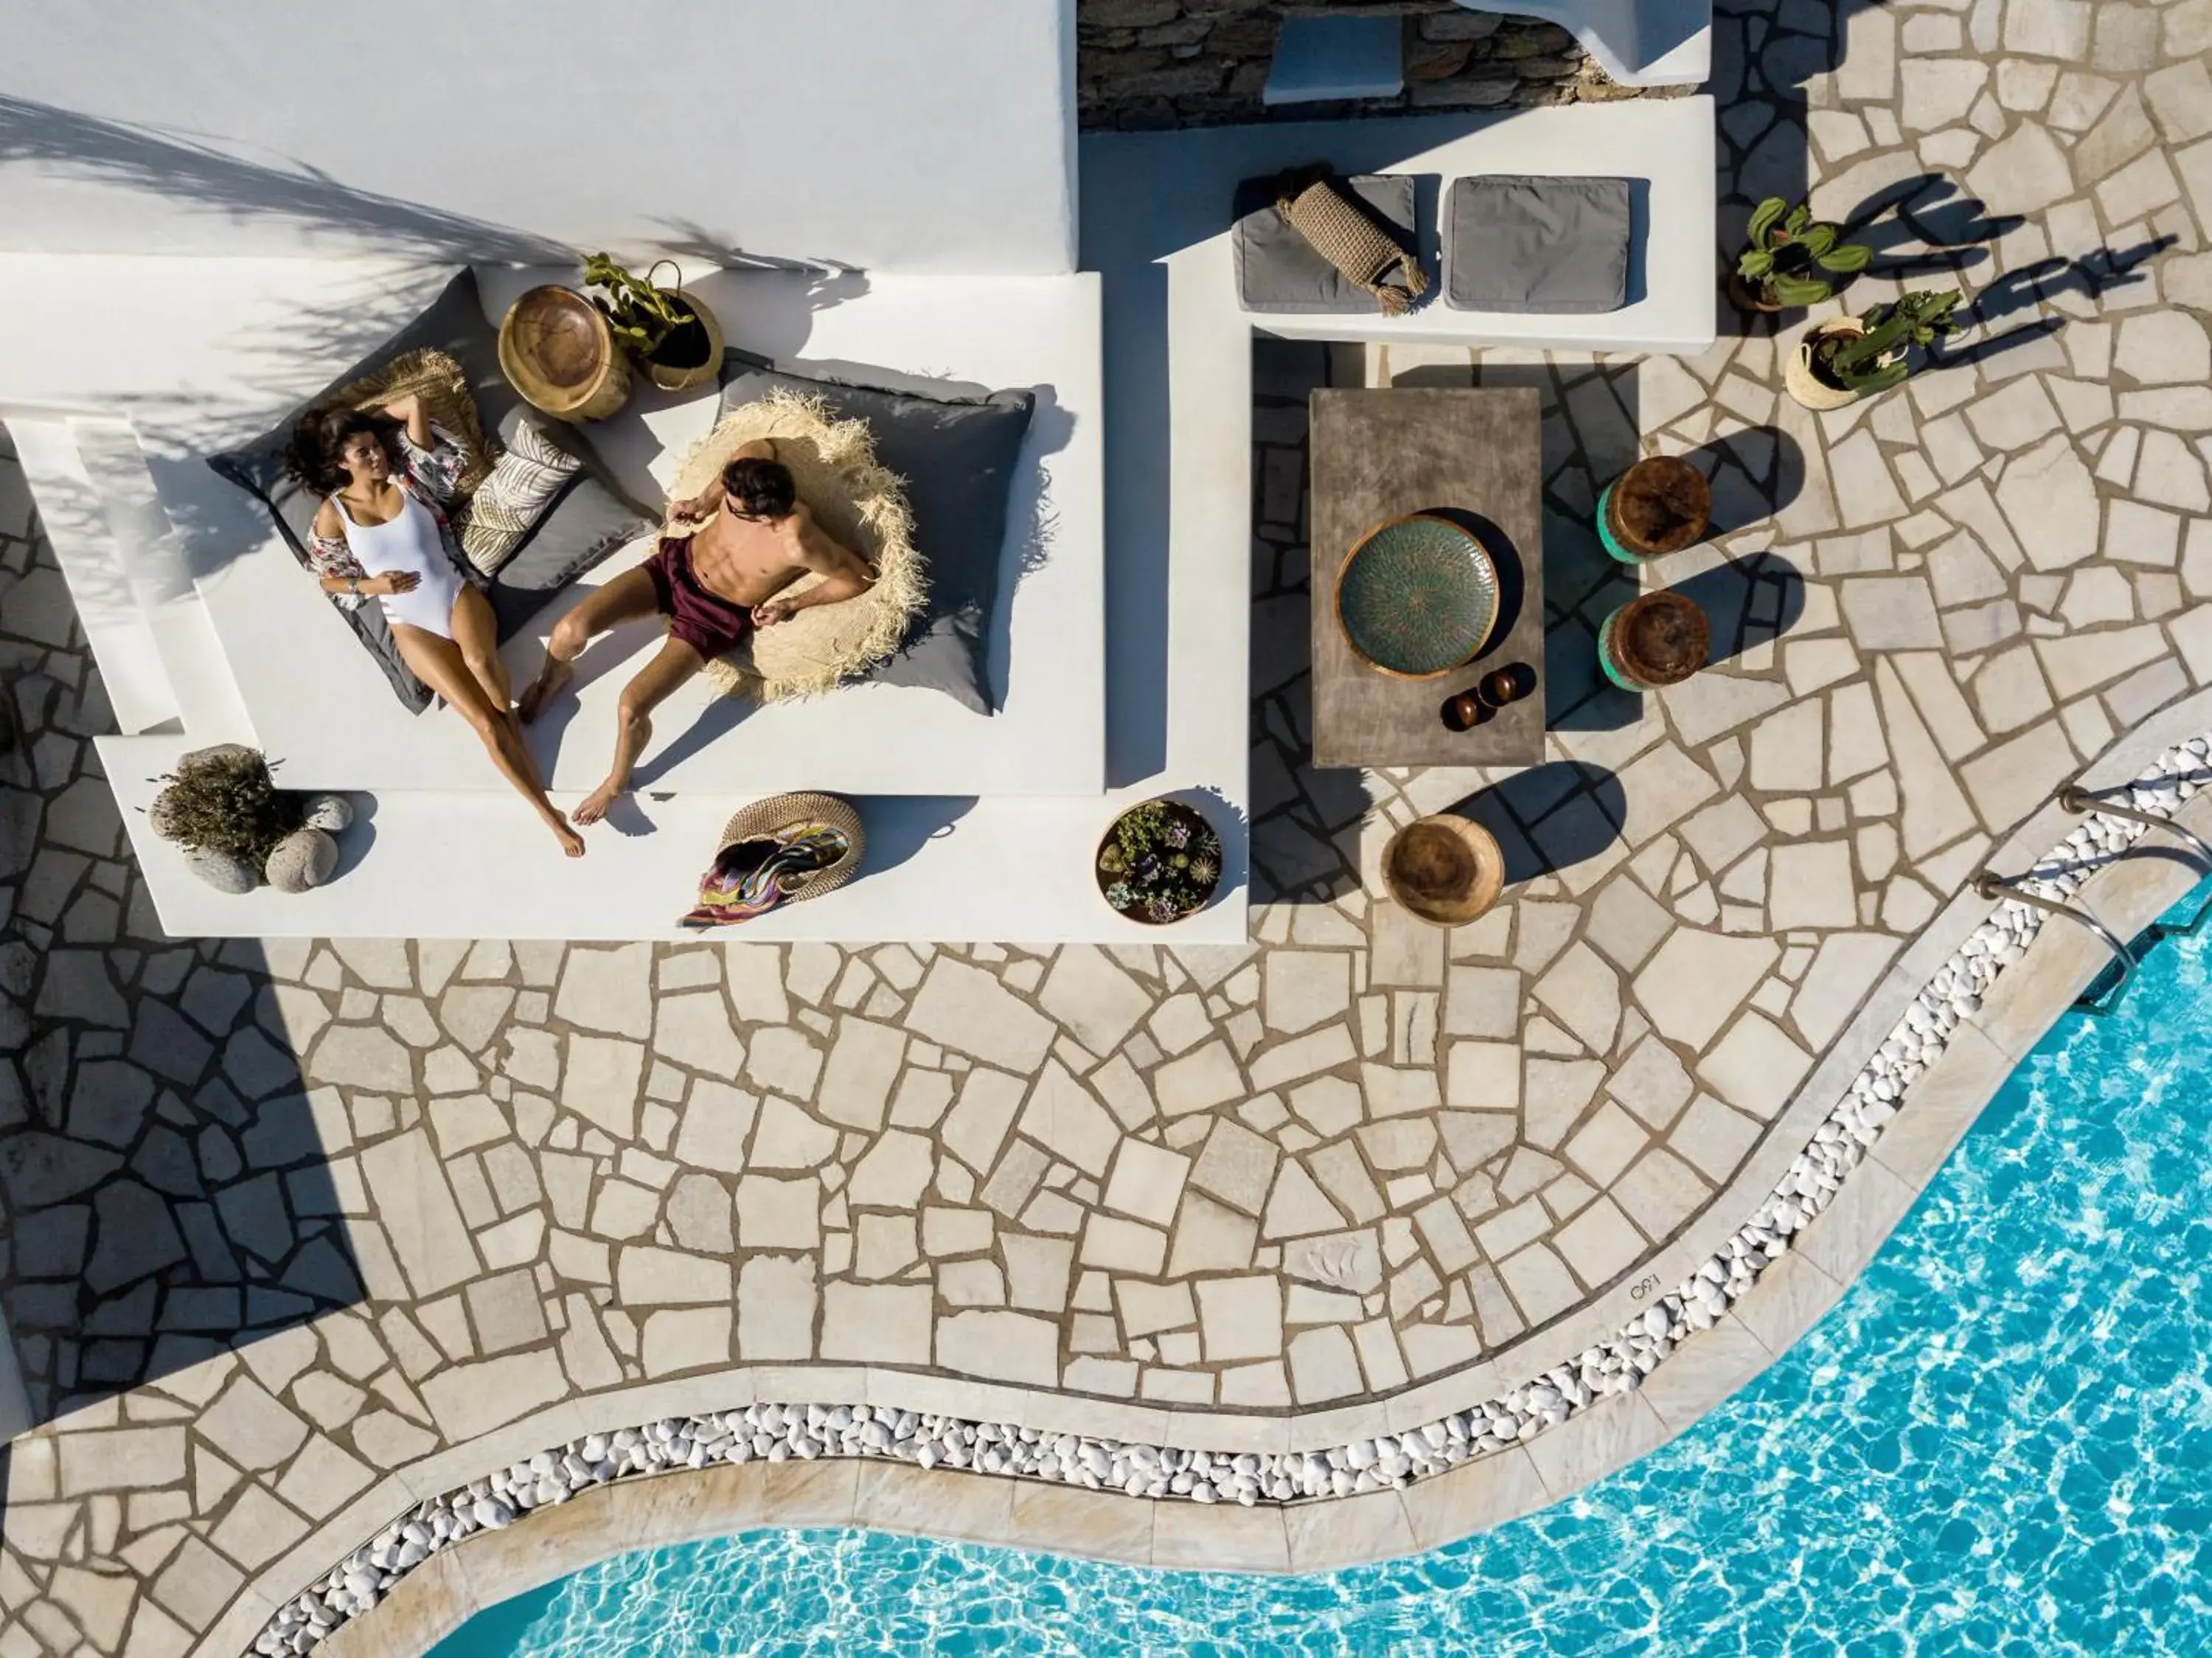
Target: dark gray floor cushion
[(590, 520), (957, 455), (1278, 271), (1523, 244)]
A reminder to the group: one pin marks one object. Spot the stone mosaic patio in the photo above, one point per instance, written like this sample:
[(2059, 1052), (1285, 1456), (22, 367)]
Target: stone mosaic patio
[(440, 1186)]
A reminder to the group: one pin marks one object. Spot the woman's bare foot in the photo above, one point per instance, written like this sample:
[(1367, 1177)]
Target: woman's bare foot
[(542, 690), (572, 843), (596, 802)]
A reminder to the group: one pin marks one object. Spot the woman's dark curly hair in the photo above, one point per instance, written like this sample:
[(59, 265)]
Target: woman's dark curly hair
[(318, 436)]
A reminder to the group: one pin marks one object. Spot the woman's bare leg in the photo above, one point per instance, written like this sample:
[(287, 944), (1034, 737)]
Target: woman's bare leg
[(476, 631), (437, 662), (631, 597)]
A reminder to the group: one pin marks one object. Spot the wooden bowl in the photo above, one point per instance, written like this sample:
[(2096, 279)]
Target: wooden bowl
[(1444, 870), (556, 350)]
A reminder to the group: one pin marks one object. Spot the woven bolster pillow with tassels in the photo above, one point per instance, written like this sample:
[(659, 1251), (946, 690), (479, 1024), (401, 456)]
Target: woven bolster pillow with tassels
[(1352, 242)]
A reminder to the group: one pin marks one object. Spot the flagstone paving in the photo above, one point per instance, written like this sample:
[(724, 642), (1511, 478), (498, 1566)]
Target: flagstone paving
[(285, 1217)]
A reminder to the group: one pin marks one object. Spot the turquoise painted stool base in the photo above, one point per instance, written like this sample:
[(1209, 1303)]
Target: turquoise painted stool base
[(1605, 526), (1611, 668)]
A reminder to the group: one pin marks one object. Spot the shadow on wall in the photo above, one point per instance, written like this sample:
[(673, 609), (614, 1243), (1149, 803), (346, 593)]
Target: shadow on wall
[(166, 1191), (172, 165)]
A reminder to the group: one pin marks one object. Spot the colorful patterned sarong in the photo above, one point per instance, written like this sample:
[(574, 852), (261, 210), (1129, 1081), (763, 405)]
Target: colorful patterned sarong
[(752, 877)]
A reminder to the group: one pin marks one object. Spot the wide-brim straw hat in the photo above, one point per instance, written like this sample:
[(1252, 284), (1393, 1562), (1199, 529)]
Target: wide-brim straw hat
[(767, 819)]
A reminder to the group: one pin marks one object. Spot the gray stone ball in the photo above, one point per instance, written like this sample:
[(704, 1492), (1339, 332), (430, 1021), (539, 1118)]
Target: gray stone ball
[(221, 871), (215, 752), (302, 859), (329, 812)]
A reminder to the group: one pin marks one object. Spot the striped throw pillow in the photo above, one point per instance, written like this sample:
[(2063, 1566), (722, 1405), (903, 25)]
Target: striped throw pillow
[(521, 488)]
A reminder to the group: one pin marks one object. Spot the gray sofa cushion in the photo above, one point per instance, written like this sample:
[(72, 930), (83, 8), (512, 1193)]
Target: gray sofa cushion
[(590, 520), (957, 452), (1278, 270), (1536, 244)]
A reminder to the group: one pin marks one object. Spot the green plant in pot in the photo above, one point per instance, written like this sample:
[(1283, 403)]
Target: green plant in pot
[(1839, 362), (1792, 256), (673, 336), (1159, 863)]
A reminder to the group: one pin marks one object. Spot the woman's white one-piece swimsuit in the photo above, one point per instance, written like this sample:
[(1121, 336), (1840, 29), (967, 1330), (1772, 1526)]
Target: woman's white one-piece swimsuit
[(408, 541)]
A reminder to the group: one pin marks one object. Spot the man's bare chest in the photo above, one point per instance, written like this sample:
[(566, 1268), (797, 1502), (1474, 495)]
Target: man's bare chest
[(745, 566)]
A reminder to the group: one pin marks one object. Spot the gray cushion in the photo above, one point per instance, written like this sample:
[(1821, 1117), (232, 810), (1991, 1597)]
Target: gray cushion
[(1537, 245), (957, 452), (573, 537), (1278, 271), (588, 520)]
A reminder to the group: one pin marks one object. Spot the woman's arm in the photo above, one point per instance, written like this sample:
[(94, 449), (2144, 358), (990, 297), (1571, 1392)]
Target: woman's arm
[(409, 411)]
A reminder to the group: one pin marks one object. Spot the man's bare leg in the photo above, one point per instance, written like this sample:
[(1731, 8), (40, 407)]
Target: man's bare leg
[(630, 597), (675, 663)]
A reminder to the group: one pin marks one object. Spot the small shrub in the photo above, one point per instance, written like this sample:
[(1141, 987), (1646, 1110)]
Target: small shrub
[(225, 801)]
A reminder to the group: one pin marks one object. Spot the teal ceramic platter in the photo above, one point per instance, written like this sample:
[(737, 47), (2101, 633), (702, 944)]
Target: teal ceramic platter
[(1417, 597)]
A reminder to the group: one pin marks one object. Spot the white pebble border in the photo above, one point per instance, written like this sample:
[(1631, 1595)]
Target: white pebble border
[(778, 1433)]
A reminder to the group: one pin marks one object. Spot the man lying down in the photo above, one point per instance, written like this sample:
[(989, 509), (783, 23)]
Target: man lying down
[(752, 538)]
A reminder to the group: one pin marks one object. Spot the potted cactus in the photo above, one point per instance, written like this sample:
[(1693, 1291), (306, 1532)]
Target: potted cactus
[(1839, 362), (671, 334), (1159, 862), (1791, 258)]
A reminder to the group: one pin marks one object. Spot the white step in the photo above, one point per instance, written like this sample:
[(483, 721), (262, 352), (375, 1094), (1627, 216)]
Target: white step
[(478, 864), (120, 633), (128, 572)]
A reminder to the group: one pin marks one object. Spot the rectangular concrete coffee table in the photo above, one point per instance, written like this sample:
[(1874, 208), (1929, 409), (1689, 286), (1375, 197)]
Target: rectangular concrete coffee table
[(1472, 455)]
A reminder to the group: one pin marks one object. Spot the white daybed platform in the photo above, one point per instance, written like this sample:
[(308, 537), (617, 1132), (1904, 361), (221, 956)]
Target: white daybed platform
[(1129, 647)]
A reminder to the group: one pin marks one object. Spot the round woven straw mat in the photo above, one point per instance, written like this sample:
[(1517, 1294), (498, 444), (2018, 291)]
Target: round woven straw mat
[(778, 812), (854, 499)]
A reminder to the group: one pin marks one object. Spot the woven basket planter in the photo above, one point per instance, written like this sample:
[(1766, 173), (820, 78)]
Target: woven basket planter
[(766, 820), (671, 378)]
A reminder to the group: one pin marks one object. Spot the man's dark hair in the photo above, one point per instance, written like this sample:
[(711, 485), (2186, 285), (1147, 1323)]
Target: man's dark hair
[(759, 489), (318, 436)]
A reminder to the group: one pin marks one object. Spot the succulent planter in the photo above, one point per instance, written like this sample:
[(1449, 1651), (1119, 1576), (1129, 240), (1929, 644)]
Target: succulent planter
[(1803, 378), (1662, 504), (1158, 862), (1658, 640)]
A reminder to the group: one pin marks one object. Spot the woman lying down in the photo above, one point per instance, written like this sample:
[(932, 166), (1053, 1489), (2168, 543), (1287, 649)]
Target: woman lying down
[(386, 478)]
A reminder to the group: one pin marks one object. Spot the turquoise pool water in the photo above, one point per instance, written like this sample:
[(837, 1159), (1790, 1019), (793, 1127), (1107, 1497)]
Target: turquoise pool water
[(2001, 1441)]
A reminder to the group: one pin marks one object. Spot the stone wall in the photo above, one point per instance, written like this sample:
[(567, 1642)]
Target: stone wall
[(1147, 63)]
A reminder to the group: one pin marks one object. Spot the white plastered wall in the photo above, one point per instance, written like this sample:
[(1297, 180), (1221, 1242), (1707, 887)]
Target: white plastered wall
[(898, 135)]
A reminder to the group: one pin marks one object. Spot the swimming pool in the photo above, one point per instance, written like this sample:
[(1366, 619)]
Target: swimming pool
[(1999, 1442)]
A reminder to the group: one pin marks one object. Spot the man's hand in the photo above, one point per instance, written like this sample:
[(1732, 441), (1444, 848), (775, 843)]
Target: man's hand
[(692, 511), (774, 610)]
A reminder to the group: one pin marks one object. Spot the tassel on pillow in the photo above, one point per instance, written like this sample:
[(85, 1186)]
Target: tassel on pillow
[(1344, 235)]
